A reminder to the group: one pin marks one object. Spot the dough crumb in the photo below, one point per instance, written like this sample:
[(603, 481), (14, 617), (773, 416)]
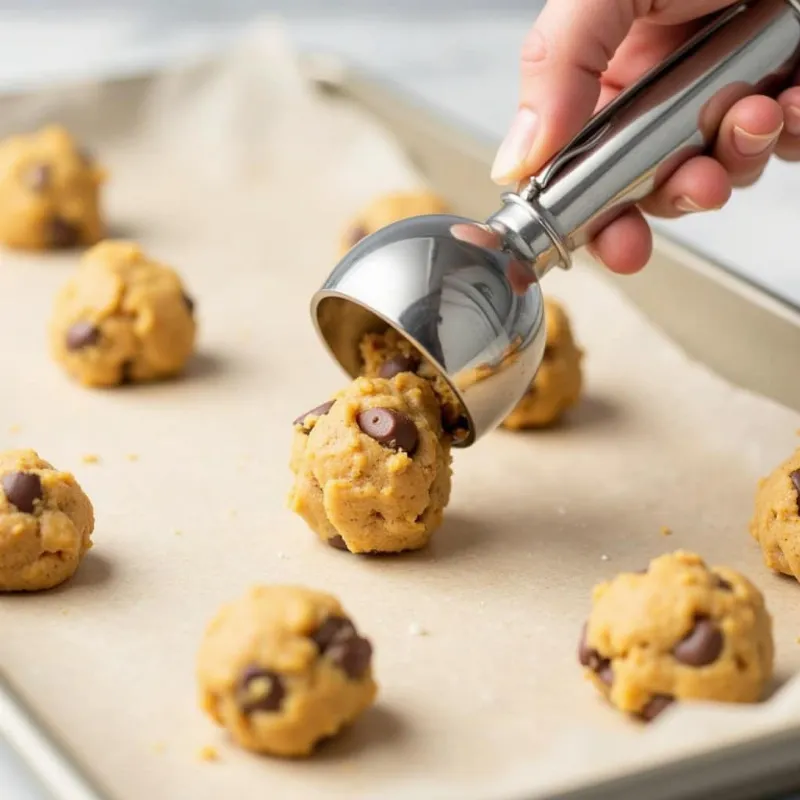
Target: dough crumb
[(90, 458), (14, 429), (415, 629), (208, 753), (179, 533), (132, 457), (604, 557), (282, 555), (159, 747), (561, 510), (666, 531)]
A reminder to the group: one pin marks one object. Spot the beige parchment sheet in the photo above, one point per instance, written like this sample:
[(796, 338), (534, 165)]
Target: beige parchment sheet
[(242, 177)]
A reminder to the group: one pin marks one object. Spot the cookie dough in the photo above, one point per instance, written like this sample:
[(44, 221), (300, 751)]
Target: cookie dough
[(557, 385), (283, 668), (776, 522), (122, 318), (388, 209), (679, 631), (49, 192), (46, 523), (387, 354), (372, 467)]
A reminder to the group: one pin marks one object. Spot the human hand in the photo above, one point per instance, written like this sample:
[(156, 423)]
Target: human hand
[(580, 55)]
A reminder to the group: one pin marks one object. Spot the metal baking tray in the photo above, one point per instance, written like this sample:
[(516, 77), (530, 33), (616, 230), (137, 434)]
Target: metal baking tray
[(745, 334)]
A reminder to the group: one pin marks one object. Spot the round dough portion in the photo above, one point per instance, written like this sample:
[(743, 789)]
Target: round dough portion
[(283, 668), (776, 521), (387, 209), (680, 631), (49, 192), (122, 318), (387, 354), (359, 494), (557, 385), (46, 523)]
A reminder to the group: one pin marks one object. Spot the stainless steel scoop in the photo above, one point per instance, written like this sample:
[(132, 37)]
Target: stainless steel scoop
[(445, 283)]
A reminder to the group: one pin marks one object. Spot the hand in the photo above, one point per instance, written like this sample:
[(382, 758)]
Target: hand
[(581, 54)]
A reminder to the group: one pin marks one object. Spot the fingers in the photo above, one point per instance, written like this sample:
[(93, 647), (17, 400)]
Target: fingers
[(747, 137), (625, 245), (701, 184), (562, 60), (789, 143)]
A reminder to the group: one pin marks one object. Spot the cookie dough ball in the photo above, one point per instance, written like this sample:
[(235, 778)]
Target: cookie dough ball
[(388, 209), (283, 668), (680, 631), (46, 523), (122, 318), (387, 354), (776, 522), (49, 192), (372, 468), (557, 385)]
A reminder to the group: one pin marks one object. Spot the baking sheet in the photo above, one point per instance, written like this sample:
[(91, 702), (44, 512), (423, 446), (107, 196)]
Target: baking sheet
[(241, 176)]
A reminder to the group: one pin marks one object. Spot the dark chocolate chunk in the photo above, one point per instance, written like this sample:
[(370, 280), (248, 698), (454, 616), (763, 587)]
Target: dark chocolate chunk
[(126, 373), (397, 364), (549, 353), (589, 657), (723, 584), (338, 543), (189, 302), (260, 690), (795, 478), (390, 428), (701, 646), (63, 233), (37, 177), (655, 705), (353, 655), (82, 334), (319, 411), (22, 489), (334, 629)]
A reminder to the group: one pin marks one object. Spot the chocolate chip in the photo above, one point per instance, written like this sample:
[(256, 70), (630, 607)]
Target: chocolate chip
[(397, 364), (589, 657), (353, 655), (82, 334), (334, 629), (549, 353), (260, 690), (37, 177), (319, 411), (701, 646), (606, 672), (723, 584), (338, 543), (356, 234), (126, 373), (22, 489), (795, 478), (390, 428), (655, 705), (189, 302), (63, 233)]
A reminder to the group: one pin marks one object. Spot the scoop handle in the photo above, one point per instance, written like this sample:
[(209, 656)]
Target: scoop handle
[(636, 142)]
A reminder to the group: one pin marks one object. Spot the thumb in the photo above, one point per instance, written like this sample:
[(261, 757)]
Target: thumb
[(563, 58)]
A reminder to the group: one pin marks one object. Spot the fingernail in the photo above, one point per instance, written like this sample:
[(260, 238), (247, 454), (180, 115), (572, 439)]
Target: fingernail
[(515, 146), (791, 116), (590, 248), (687, 206), (752, 144)]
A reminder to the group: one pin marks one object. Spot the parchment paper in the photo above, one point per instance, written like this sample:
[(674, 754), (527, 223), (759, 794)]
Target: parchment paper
[(240, 176)]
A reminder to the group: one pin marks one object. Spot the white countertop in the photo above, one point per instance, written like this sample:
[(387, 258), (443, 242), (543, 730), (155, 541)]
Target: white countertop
[(459, 58)]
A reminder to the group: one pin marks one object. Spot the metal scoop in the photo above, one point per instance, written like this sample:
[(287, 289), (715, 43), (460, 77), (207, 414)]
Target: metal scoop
[(448, 284)]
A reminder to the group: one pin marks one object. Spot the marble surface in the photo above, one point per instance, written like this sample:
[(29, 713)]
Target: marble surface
[(458, 55)]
